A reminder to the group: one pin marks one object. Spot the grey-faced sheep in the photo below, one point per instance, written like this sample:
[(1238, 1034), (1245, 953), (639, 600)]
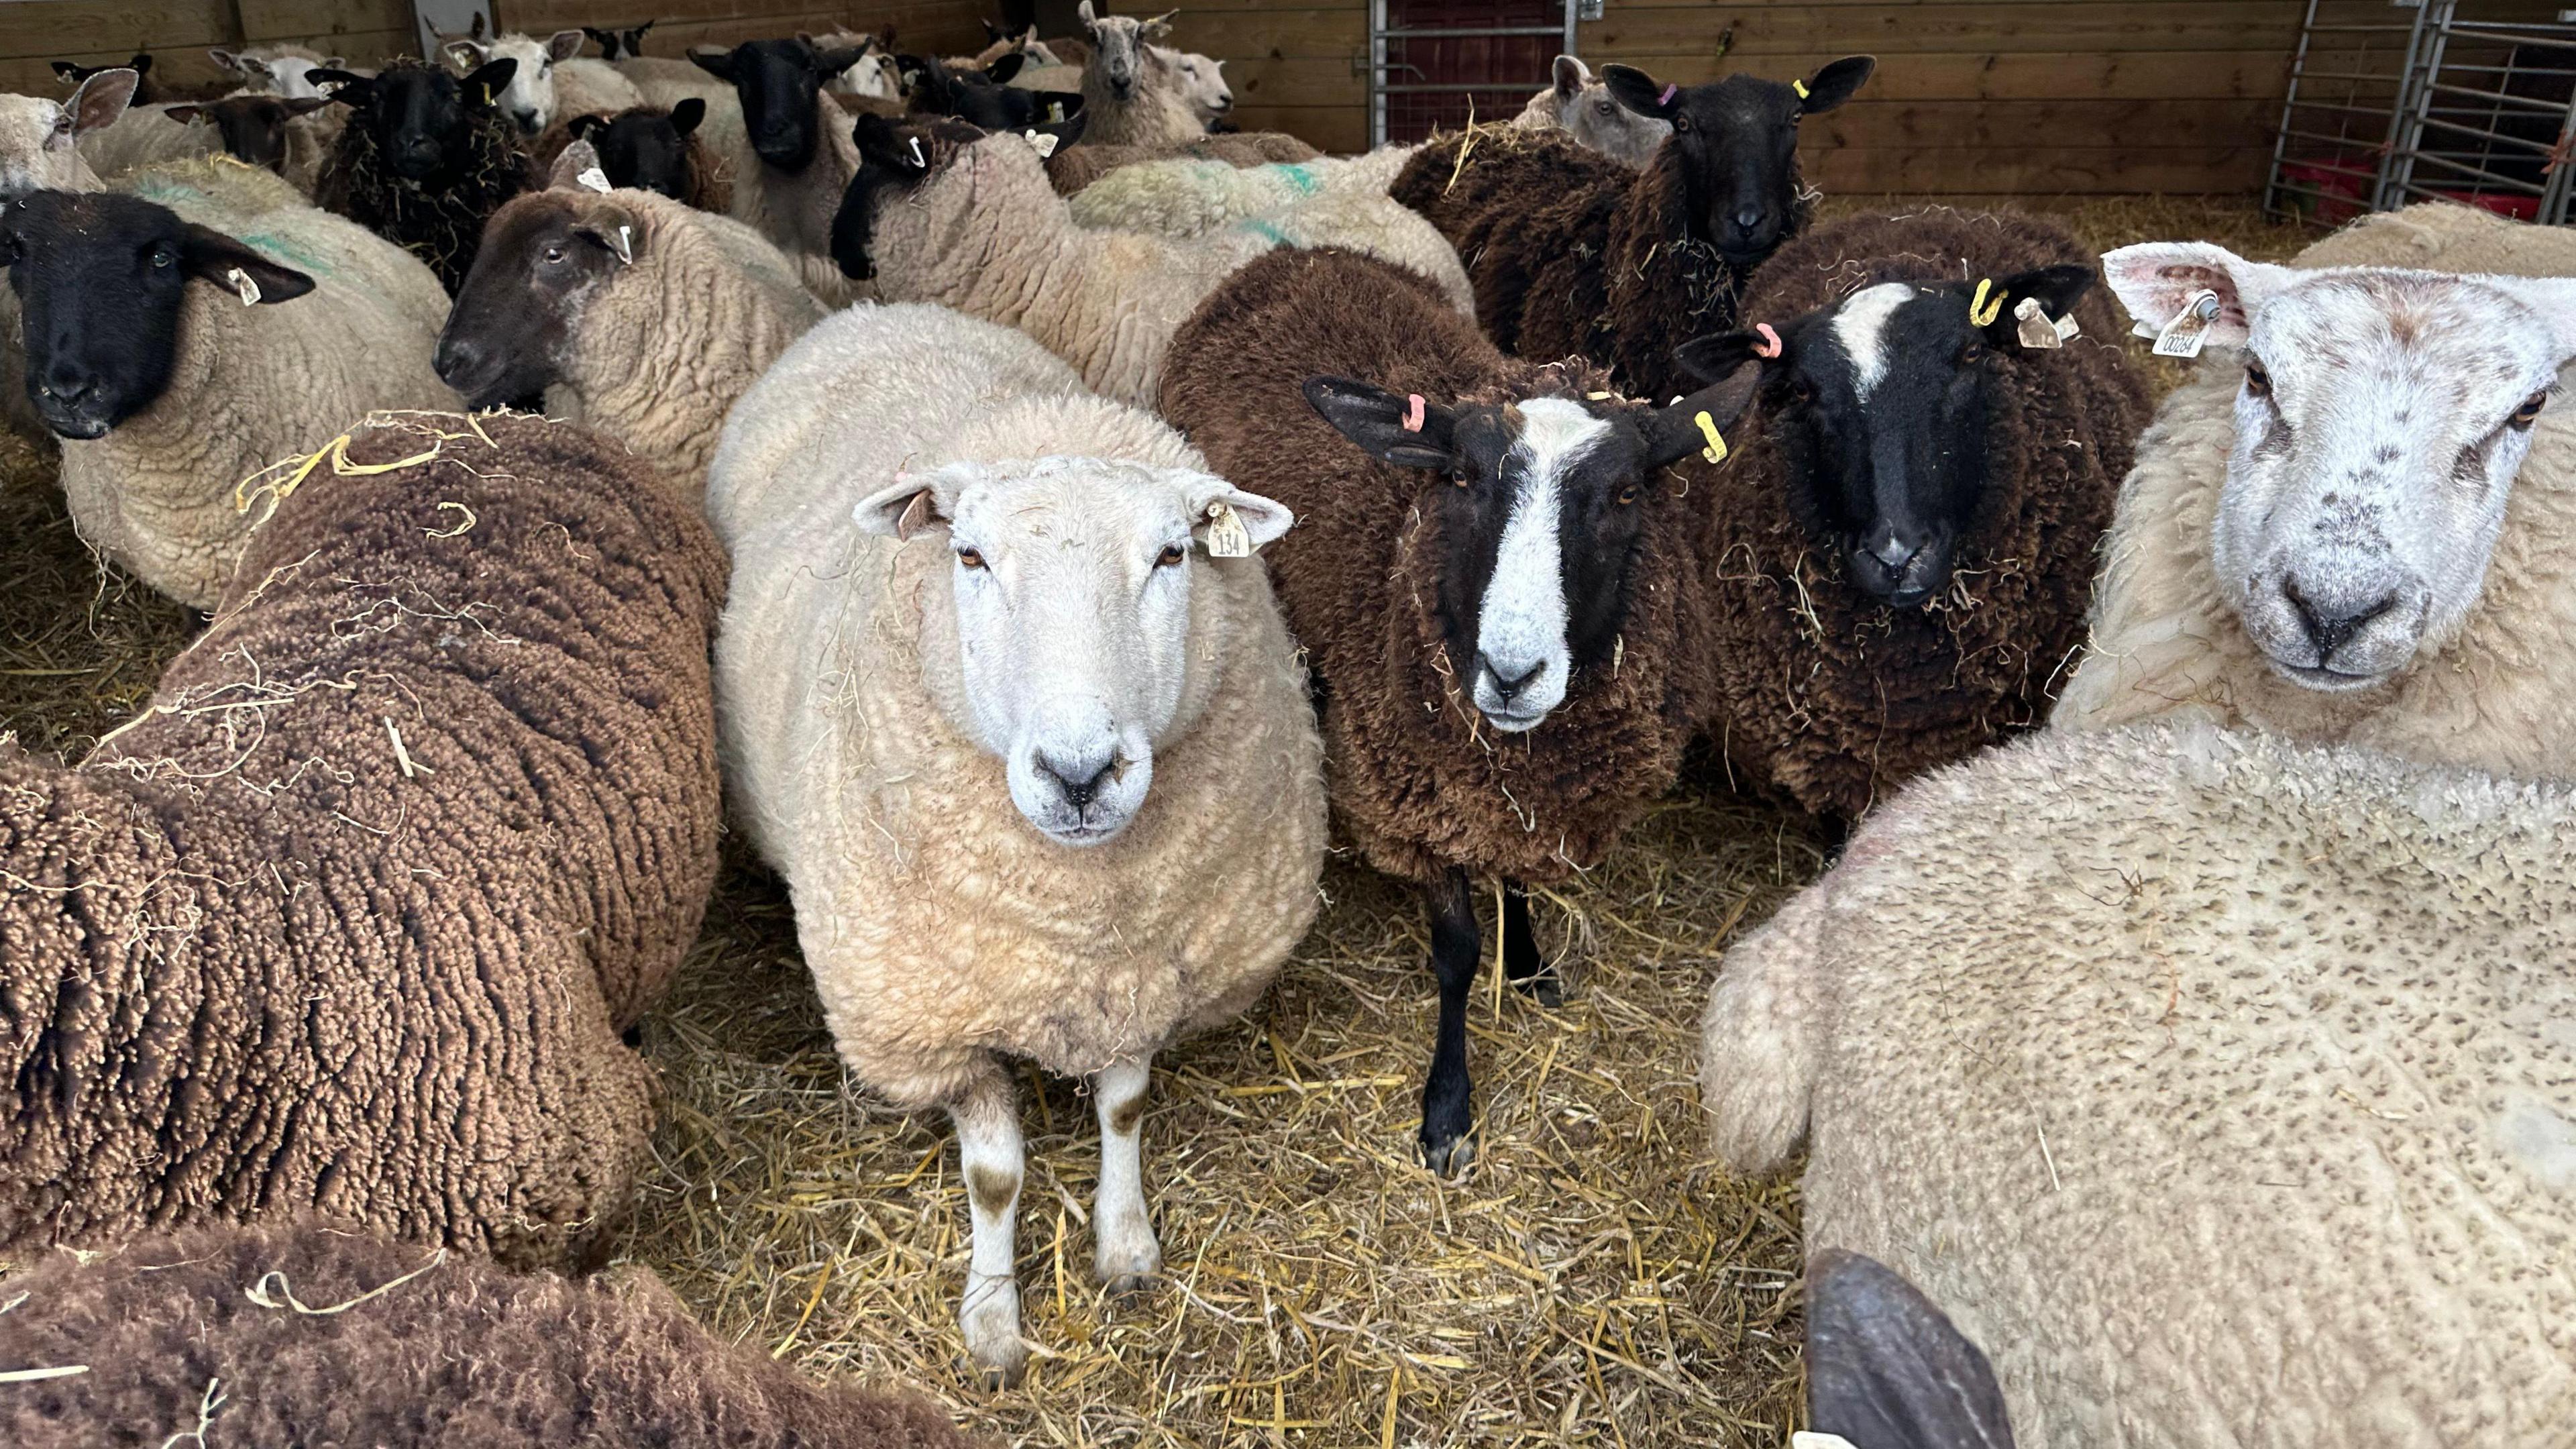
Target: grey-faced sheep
[(1906, 533), (1583, 108), (1185, 198), (1043, 780), (1495, 582), (1132, 93), (635, 315), (802, 157), (1074, 167), (350, 918), (316, 1335), (424, 159), (2356, 527), (146, 355), (1575, 254), (552, 81), (2221, 1086), (976, 228)]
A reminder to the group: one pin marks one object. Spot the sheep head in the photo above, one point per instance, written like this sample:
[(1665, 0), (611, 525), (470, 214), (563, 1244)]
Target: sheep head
[(529, 99), (779, 83), (546, 256), (1738, 145), (39, 148), (1584, 107), (421, 120)]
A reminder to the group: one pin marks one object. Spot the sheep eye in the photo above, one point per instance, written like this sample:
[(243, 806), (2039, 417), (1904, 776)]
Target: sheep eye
[(1802, 391), (2259, 383), (1171, 556), (970, 558), (1971, 352), (554, 254), (1680, 124), (1604, 107), (1627, 495), (162, 257), (2529, 413)]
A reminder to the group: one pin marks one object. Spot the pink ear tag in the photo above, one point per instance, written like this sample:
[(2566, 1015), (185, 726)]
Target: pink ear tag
[(1413, 412), (1770, 344), (1671, 88)]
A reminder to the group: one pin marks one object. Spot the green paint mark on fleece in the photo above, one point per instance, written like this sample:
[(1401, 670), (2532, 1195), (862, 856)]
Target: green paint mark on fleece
[(1302, 176), (1266, 232), (279, 249)]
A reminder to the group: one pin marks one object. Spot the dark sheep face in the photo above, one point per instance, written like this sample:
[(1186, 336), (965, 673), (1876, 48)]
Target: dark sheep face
[(544, 257), (1539, 520), (646, 150), (620, 44), (983, 98), (778, 83), (101, 279), (894, 158), (1880, 406), (420, 118), (1739, 147), (72, 73), (253, 127)]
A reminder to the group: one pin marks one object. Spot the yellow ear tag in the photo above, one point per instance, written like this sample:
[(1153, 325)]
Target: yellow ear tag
[(1800, 87), (1715, 452), (1981, 312)]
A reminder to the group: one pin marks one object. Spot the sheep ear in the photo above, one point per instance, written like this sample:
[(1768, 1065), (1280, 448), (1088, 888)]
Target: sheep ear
[(97, 103), (344, 86), (1262, 520), (687, 114), (1888, 1370), (1376, 420), (226, 60), (211, 256), (305, 105), (1674, 433), (2057, 289), (1641, 92), (1001, 71), (1085, 13), (714, 61), (1571, 76), (1834, 84), (563, 45), (485, 85), (615, 231), (607, 38), (2554, 298), (833, 62), (1159, 26), (183, 114), (465, 54), (1719, 355), (572, 161), (915, 501), (142, 63), (2155, 280)]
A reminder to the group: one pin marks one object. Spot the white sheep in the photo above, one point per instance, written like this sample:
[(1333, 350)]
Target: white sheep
[(193, 389), (277, 68), (1043, 781), (2361, 525), (1577, 103), (2223, 1087), (1131, 94), (1185, 197), (980, 229), (1203, 86), (553, 80), (147, 136)]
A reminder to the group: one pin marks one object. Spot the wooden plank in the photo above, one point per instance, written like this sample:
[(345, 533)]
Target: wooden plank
[(303, 19), (56, 29), (1884, 29), (368, 48), (34, 75), (672, 40), (2001, 75), (1337, 129), (1320, 33), (945, 24), (2008, 125), (2088, 170)]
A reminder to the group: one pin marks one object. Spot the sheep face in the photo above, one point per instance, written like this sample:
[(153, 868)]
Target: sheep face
[(778, 83), (1538, 523), (286, 76), (419, 119), (1739, 147), (1122, 52), (1202, 82), (545, 258), (1585, 108), (1066, 647), (39, 148), (2380, 422), (253, 127), (644, 149), (620, 44), (101, 279), (529, 99), (1880, 404)]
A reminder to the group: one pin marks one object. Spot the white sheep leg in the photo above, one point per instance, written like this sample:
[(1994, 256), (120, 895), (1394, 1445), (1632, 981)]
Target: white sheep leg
[(1124, 1251), (990, 1158)]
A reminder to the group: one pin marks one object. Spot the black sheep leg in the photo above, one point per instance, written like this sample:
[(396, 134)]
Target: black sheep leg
[(1522, 964), (1446, 1116)]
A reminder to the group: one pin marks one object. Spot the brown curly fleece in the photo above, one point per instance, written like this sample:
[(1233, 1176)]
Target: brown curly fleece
[(252, 966), (1420, 781), (444, 227), (1829, 697), (463, 1355), (1574, 254), (1077, 166)]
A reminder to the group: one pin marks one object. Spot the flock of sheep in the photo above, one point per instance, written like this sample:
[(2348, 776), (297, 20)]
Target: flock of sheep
[(1030, 517)]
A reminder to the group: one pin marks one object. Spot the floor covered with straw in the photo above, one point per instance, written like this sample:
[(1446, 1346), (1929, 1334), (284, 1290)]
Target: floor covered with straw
[(1594, 1279)]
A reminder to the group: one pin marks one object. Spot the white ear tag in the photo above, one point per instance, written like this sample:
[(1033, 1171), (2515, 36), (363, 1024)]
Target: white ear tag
[(594, 178), (2068, 327), (1055, 113), (916, 514), (625, 246), (1226, 535), (1043, 143), (2033, 327), (2189, 330), (917, 162), (1810, 1439), (242, 283)]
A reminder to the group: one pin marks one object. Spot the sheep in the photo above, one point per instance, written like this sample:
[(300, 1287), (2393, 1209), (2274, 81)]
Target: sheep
[(1073, 821), (166, 387), (1075, 167), (276, 68), (149, 92), (1494, 581), (616, 45), (351, 917), (2220, 1084), (1203, 87), (1133, 95), (146, 136), (981, 98), (2357, 532), (634, 314), (1906, 532), (424, 159), (198, 1336), (801, 157), (262, 131), (976, 228), (552, 80), (1574, 253), (1185, 198), (1582, 107), (40, 150), (648, 149)]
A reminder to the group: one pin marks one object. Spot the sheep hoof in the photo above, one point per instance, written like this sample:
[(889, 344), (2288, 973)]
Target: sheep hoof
[(995, 1380), (1449, 1158), (1132, 1285), (1544, 988)]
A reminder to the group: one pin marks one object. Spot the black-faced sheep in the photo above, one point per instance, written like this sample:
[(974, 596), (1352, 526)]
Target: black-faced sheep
[(424, 159), (1905, 534), (317, 1335), (1575, 254), (802, 157), (260, 130), (350, 919), (1497, 587), (616, 45), (1076, 166), (649, 149), (984, 98)]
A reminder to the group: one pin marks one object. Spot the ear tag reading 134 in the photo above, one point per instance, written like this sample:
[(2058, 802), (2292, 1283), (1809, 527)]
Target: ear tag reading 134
[(2189, 330), (1226, 535)]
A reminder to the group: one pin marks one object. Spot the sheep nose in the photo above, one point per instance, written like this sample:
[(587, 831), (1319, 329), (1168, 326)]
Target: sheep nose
[(455, 359), (1080, 780), (67, 388), (2330, 626), (1891, 550), (1747, 220), (1507, 687)]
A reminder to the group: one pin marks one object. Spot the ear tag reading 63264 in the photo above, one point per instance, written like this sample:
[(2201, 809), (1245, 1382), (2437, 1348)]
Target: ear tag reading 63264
[(1226, 535), (2188, 332)]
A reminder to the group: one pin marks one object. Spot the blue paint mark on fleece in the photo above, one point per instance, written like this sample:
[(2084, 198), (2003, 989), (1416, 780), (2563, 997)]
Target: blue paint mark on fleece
[(1266, 232), (279, 249), (1302, 176)]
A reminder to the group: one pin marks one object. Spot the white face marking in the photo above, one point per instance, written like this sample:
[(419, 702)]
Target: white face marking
[(1520, 630), (1861, 326)]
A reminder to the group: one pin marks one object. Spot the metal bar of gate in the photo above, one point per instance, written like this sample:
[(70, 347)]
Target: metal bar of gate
[(1380, 33), (2289, 104), (2397, 170)]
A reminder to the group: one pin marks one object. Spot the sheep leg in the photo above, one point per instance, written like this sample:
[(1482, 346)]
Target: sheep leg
[(1447, 1149), (1124, 1251), (990, 1159), (1522, 964)]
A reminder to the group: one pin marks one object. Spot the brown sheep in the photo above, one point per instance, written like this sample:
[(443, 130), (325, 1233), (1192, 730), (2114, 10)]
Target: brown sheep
[(351, 918), (1077, 166), (1500, 610), (315, 1335)]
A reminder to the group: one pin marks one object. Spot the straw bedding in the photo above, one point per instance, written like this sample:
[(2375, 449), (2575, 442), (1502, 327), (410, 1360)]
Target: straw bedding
[(1596, 1280)]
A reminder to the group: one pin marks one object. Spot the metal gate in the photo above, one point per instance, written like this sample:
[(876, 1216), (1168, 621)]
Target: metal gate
[(1433, 64)]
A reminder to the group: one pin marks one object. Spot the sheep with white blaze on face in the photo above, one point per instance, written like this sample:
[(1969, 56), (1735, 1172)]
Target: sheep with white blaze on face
[(1006, 700)]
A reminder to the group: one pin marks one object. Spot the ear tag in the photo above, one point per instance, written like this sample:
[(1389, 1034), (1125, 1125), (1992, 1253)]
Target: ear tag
[(594, 178), (2036, 332), (1715, 452), (1770, 345), (918, 163), (2068, 327), (2188, 332), (1413, 412), (243, 284), (1055, 113), (915, 514), (625, 246), (1671, 89), (1800, 87), (1597, 396), (1810, 1439), (1226, 535), (1982, 313), (1042, 143)]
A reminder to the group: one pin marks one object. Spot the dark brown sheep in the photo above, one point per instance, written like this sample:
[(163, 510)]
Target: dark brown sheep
[(424, 159), (1494, 515), (315, 1335), (351, 918), (1075, 167), (1880, 611)]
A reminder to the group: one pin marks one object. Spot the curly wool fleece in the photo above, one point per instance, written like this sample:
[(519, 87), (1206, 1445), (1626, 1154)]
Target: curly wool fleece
[(351, 917)]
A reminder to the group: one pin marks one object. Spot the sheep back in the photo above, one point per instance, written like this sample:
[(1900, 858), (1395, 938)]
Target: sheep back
[(351, 917), (1072, 168), (1420, 782), (1828, 697)]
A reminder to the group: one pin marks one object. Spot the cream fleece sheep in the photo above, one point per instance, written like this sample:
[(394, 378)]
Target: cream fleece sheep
[(1185, 197), (252, 384), (947, 931), (2222, 1087), (2169, 641), (145, 136), (1132, 92), (1583, 106)]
